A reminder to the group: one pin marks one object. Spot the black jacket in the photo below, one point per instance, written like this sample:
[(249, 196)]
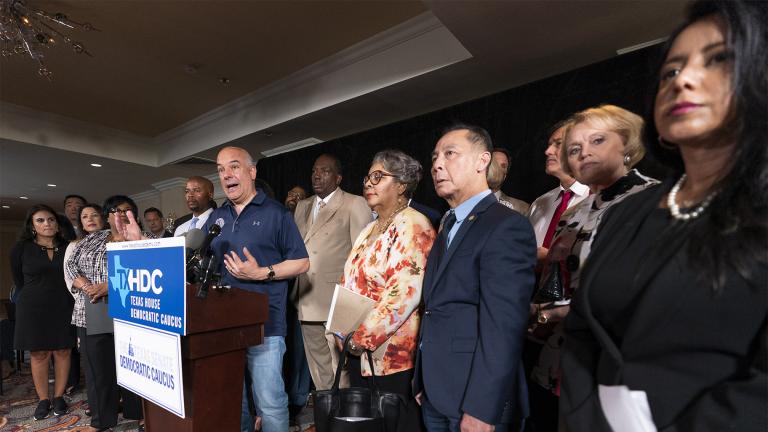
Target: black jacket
[(700, 356)]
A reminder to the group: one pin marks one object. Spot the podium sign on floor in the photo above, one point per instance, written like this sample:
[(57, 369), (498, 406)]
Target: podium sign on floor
[(147, 293), (149, 364)]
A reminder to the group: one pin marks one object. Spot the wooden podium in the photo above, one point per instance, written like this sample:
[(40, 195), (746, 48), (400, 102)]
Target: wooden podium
[(219, 328)]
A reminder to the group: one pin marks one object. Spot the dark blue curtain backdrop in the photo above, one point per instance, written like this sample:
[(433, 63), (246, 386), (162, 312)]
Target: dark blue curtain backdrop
[(517, 119)]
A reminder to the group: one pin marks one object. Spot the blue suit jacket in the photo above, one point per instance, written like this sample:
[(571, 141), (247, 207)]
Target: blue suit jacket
[(475, 314)]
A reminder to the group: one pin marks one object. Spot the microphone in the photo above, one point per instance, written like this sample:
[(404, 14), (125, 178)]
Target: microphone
[(208, 267), (208, 264), (213, 232), (194, 238)]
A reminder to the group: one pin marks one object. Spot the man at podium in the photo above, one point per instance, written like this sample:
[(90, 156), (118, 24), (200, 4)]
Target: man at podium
[(259, 249)]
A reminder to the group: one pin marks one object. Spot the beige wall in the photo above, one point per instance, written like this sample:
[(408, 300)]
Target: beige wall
[(168, 196)]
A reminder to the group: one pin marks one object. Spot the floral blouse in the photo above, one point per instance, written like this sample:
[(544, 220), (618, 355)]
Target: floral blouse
[(389, 268)]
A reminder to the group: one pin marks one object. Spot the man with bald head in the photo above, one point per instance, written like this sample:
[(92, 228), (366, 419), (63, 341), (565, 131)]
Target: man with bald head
[(198, 193), (260, 248)]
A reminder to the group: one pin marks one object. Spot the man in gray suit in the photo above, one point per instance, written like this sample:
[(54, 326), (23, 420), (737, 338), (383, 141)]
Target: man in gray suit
[(329, 223)]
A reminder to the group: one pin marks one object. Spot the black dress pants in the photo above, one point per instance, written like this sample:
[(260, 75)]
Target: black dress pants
[(74, 367), (101, 382)]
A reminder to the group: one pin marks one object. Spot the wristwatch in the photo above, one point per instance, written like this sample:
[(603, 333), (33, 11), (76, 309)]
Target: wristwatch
[(271, 273)]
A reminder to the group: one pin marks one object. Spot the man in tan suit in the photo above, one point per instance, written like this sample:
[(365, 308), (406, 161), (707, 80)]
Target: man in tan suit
[(329, 223), (497, 173)]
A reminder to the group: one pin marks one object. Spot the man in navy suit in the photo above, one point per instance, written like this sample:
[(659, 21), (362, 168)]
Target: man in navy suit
[(477, 287)]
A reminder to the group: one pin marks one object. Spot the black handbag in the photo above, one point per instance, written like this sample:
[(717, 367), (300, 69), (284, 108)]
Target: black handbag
[(551, 289), (356, 409)]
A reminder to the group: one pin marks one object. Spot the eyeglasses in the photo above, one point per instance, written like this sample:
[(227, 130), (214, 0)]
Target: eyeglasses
[(375, 177), (119, 210)]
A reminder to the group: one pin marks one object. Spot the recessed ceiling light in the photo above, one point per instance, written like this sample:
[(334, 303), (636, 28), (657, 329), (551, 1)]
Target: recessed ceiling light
[(5, 206), (96, 165), (23, 197), (51, 185)]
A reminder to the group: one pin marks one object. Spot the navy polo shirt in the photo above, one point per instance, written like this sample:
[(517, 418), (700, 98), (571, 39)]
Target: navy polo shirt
[(267, 229)]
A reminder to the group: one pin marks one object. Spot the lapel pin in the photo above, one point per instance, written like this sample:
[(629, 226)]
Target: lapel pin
[(471, 218)]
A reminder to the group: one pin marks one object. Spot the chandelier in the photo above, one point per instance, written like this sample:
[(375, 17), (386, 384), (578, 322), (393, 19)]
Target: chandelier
[(25, 30)]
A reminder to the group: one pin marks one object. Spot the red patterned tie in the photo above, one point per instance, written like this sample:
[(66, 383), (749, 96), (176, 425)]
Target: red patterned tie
[(565, 198)]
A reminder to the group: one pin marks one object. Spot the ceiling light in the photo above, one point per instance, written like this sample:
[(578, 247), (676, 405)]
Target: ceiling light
[(25, 29), (23, 197), (51, 185), (6, 206), (96, 165), (291, 147), (642, 45)]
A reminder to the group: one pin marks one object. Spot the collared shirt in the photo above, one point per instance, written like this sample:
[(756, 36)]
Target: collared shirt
[(462, 211), (325, 200), (267, 229), (543, 208), (186, 226)]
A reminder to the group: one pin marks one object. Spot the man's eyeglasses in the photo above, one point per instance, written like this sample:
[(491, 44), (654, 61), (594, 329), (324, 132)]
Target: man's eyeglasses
[(375, 177), (119, 210)]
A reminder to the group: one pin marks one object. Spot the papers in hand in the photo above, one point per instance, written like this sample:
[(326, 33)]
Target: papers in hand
[(348, 310), (626, 410)]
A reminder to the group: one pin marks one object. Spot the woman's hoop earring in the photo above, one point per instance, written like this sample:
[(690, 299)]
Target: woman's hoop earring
[(34, 232), (667, 146)]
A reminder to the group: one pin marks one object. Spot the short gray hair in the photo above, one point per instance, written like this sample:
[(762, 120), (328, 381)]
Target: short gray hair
[(405, 169)]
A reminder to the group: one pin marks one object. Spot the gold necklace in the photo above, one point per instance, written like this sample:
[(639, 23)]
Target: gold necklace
[(383, 227)]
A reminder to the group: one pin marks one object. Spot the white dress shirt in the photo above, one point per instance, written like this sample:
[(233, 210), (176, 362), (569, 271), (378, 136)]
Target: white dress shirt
[(183, 228), (544, 207), (325, 200)]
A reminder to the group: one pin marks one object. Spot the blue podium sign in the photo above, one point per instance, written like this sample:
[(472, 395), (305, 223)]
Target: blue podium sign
[(147, 283)]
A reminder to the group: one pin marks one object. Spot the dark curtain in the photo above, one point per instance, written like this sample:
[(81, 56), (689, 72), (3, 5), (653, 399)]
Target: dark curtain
[(517, 119)]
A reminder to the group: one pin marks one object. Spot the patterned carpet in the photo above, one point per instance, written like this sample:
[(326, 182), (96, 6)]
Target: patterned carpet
[(18, 403)]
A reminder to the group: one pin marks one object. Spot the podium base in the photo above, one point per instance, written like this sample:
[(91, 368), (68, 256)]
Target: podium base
[(213, 384)]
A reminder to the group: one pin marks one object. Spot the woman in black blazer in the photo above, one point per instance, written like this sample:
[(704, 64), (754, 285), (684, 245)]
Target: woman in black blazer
[(672, 304)]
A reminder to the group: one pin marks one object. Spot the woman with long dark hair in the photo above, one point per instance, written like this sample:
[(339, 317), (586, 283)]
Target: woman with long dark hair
[(43, 307), (669, 328)]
